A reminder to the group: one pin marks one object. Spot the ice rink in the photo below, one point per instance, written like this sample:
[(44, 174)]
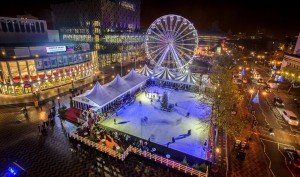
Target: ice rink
[(161, 126)]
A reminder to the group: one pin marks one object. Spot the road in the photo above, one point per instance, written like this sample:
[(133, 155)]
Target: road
[(285, 135)]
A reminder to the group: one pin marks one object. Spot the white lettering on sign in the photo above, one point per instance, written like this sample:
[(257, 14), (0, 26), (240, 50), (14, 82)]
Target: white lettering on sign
[(56, 49), (127, 5)]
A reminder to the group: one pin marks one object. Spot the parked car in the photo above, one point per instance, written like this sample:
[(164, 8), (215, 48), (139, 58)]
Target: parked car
[(277, 101), (260, 80), (290, 117), (294, 158)]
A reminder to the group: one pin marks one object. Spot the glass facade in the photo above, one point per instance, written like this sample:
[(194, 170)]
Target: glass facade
[(25, 76)]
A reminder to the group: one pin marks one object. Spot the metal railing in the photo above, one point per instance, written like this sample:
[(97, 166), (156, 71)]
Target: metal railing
[(154, 157)]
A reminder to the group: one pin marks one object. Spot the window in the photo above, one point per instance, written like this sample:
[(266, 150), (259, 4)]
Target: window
[(3, 25), (22, 26), (10, 26), (16, 25), (32, 27), (27, 26), (42, 27), (37, 26)]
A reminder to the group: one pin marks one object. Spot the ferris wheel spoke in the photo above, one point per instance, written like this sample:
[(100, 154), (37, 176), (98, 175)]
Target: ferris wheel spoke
[(160, 48), (178, 30), (180, 37), (187, 39), (181, 32), (166, 27), (158, 35), (171, 24), (185, 48), (160, 32), (176, 58), (183, 53), (163, 56), (154, 38), (156, 46), (164, 30), (154, 42), (173, 30), (158, 54)]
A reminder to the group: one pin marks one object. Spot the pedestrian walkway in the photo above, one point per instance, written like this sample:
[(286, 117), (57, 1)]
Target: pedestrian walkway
[(254, 163), (20, 100), (221, 160)]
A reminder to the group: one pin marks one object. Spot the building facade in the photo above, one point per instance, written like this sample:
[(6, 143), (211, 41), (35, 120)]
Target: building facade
[(20, 30), (89, 20), (59, 66)]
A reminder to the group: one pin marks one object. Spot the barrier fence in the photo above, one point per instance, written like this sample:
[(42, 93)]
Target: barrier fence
[(154, 157)]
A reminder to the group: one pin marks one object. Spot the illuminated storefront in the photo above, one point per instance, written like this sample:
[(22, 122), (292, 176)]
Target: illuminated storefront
[(22, 76)]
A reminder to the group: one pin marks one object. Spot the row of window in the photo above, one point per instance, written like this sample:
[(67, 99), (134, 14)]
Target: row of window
[(21, 26)]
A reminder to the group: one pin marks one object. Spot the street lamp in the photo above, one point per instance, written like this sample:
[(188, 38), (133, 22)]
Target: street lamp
[(72, 83), (58, 100), (251, 92)]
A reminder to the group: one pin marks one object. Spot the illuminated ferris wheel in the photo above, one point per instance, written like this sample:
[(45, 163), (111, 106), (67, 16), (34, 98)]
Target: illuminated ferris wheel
[(171, 41)]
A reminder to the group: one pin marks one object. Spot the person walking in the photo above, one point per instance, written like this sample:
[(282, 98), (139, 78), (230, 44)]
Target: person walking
[(115, 121), (173, 139)]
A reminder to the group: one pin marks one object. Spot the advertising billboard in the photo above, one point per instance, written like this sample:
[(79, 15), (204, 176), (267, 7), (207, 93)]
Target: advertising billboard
[(54, 49)]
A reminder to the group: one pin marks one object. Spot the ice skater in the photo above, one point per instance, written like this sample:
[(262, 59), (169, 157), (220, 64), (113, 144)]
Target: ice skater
[(189, 132), (187, 114)]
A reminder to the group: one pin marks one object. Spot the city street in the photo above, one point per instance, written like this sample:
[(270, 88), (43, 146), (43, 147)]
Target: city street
[(285, 135)]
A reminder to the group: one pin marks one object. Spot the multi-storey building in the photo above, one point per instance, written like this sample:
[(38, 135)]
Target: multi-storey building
[(20, 30), (29, 69), (89, 20)]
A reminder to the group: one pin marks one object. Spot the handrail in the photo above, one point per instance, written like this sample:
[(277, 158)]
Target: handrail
[(157, 158)]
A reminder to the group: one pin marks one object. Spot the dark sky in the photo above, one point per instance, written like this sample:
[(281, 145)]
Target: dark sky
[(276, 17)]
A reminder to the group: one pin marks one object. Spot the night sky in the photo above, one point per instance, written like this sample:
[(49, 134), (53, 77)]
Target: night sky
[(275, 18)]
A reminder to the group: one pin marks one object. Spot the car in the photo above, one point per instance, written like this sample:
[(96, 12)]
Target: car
[(256, 76), (245, 80), (294, 158), (260, 80), (290, 117), (277, 101)]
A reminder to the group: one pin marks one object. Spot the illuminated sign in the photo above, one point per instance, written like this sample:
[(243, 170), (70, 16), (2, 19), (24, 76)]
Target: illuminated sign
[(53, 49), (127, 5)]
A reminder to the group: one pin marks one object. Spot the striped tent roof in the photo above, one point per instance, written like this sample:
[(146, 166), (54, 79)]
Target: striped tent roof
[(145, 71), (188, 78), (182, 71), (165, 75), (133, 78)]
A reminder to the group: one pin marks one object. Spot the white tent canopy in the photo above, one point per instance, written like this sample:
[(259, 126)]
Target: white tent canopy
[(188, 78), (101, 97), (145, 71), (165, 75), (133, 78)]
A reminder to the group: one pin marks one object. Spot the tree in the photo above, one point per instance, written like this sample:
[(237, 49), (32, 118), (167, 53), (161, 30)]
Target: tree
[(62, 111), (223, 97), (164, 101), (184, 161)]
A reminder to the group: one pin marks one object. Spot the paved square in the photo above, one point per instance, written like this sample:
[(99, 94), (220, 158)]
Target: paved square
[(161, 126)]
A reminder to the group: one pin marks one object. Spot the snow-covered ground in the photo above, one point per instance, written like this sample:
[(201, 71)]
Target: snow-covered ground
[(162, 126)]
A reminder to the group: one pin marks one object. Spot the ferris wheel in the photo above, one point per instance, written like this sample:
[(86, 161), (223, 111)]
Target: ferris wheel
[(171, 41)]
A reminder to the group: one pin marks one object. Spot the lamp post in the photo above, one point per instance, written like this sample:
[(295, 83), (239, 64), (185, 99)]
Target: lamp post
[(251, 92), (72, 83), (58, 100)]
